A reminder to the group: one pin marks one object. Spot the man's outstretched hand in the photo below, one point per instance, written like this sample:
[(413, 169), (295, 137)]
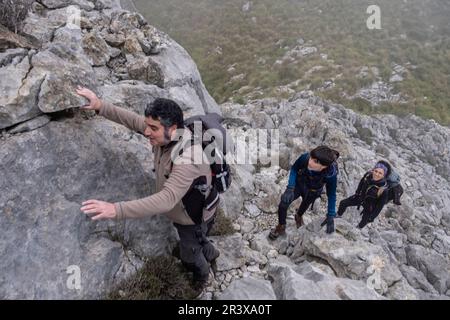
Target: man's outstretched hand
[(99, 209), (94, 102)]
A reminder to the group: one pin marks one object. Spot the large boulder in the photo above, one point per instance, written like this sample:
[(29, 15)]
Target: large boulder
[(349, 257), (18, 98), (306, 282), (434, 266), (231, 252), (47, 173), (248, 288), (55, 4)]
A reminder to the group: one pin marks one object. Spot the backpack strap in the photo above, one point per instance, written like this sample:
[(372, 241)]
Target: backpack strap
[(200, 195), (380, 189), (194, 201)]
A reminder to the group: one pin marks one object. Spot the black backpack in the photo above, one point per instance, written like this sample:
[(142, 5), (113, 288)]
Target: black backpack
[(395, 189), (220, 170), (195, 200)]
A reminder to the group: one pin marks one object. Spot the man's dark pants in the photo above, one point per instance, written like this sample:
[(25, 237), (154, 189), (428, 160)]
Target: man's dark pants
[(196, 251)]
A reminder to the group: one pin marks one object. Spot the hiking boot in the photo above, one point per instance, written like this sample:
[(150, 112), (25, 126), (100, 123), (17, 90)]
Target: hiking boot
[(299, 221), (198, 286), (279, 230)]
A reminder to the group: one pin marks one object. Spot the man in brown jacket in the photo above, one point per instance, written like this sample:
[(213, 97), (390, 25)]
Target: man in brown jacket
[(177, 180)]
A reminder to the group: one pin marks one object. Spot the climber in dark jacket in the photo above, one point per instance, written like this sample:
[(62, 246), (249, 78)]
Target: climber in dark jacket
[(309, 174), (371, 194)]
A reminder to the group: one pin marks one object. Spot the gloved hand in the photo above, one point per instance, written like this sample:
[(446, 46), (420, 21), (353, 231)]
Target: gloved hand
[(288, 196), (329, 221)]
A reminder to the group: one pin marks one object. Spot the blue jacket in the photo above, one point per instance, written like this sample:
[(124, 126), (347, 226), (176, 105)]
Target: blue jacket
[(330, 179)]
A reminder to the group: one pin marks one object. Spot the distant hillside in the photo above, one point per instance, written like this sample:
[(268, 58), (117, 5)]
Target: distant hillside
[(247, 49)]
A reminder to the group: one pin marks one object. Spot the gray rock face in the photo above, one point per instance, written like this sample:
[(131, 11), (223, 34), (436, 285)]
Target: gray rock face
[(181, 75), (416, 279), (96, 49), (402, 291), (74, 43), (30, 125), (306, 282), (248, 289), (147, 71), (242, 186), (18, 99), (62, 70), (47, 173), (54, 158), (55, 4), (230, 248), (358, 260), (254, 257), (434, 266)]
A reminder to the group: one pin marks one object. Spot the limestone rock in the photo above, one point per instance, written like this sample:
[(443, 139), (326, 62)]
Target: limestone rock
[(248, 289)]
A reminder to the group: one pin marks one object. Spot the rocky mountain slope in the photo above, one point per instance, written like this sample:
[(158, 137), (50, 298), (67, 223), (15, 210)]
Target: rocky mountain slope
[(53, 157), (404, 254)]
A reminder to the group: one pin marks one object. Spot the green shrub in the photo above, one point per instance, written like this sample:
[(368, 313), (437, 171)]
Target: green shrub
[(239, 100), (160, 278)]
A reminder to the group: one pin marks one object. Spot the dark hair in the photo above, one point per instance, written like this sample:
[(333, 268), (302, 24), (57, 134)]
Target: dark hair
[(324, 155), (167, 111)]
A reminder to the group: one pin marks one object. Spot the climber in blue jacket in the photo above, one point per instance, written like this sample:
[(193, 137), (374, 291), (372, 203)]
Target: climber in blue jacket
[(309, 174)]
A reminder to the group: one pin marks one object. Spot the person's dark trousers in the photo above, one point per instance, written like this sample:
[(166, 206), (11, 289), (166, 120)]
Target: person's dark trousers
[(209, 251), (191, 250), (307, 200), (349, 202), (284, 206), (368, 216), (398, 191), (364, 220), (210, 223)]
